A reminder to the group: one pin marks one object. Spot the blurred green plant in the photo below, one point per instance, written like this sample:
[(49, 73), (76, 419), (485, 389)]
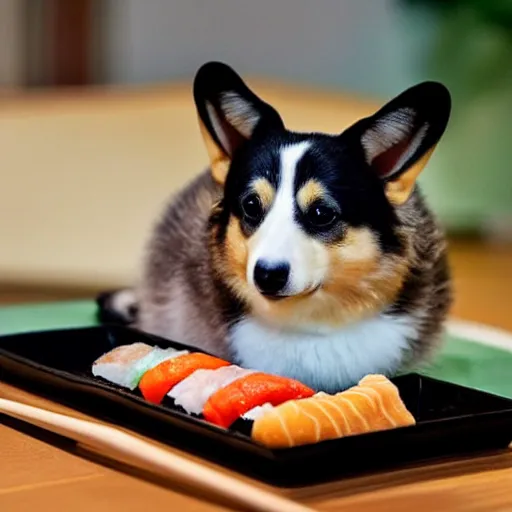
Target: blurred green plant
[(473, 47), (467, 45), (493, 12)]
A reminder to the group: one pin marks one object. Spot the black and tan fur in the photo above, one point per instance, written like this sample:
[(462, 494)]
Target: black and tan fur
[(383, 257)]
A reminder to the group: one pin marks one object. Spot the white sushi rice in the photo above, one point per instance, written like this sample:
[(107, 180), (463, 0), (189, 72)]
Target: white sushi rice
[(193, 392), (257, 411)]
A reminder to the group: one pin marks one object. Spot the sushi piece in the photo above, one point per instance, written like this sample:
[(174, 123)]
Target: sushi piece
[(126, 364), (232, 401), (114, 365), (159, 380), (155, 357), (257, 411), (373, 405), (193, 392)]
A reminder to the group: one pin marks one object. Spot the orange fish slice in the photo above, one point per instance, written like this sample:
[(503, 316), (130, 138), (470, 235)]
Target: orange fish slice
[(373, 405), (158, 381), (232, 401)]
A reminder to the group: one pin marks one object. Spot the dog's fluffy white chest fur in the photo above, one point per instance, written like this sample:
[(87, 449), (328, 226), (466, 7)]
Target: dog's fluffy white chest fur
[(327, 362)]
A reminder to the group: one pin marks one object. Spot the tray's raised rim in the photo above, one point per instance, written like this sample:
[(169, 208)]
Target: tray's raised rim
[(195, 423), (126, 395)]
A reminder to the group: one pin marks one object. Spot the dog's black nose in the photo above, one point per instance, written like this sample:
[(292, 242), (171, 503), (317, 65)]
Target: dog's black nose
[(271, 278)]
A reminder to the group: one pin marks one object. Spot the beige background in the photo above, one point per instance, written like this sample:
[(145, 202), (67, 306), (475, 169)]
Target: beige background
[(84, 176)]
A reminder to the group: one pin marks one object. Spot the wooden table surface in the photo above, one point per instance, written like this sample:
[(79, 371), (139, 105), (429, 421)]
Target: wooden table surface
[(36, 474)]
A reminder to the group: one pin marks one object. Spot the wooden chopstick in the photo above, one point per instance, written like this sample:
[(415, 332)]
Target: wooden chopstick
[(159, 460)]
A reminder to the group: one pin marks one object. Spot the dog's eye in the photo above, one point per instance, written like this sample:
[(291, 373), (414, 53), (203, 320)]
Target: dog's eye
[(321, 215), (252, 207)]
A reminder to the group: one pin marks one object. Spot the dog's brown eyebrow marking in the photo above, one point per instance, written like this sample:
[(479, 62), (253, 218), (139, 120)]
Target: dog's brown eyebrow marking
[(309, 193), (265, 191)]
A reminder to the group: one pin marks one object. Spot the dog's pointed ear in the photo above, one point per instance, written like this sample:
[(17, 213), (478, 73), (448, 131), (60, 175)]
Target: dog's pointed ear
[(229, 114), (399, 139)]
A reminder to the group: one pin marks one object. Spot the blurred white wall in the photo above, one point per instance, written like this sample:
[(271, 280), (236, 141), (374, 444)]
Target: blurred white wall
[(351, 44)]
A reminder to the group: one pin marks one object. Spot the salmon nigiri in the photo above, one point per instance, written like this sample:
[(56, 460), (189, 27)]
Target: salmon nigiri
[(230, 402), (373, 405), (158, 381)]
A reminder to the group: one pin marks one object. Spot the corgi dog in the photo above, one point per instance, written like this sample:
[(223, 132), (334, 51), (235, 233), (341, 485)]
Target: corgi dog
[(309, 255)]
